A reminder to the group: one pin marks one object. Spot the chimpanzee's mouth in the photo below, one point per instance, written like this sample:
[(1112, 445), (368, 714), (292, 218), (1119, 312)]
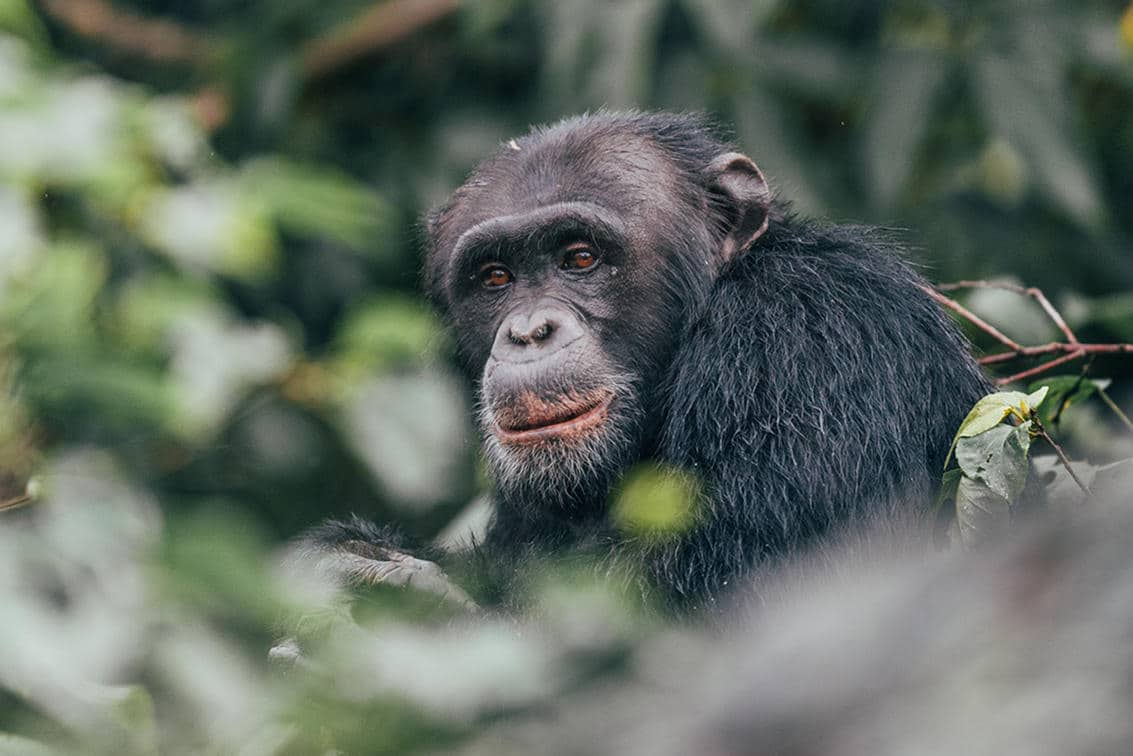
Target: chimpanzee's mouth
[(531, 419)]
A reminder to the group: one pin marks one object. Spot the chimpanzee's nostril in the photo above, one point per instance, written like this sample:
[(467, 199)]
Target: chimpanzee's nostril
[(540, 333)]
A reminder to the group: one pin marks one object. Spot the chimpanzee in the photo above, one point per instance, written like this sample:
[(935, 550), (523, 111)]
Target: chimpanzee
[(624, 287)]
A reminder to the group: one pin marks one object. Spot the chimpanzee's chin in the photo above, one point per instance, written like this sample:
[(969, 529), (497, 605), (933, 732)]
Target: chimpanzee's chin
[(578, 456)]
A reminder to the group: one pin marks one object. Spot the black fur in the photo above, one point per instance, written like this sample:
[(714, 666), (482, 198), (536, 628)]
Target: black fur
[(810, 382)]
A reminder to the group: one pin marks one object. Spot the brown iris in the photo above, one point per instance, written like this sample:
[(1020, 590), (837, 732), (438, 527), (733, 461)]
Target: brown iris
[(579, 256), (495, 276)]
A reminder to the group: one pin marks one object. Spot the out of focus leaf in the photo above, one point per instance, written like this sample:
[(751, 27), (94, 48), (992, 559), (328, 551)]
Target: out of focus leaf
[(149, 308), (316, 201), (810, 66), (981, 513), (54, 303), (22, 238), (215, 360), (1110, 484), (43, 140), (135, 712), (172, 132), (1029, 324), (1114, 482), (126, 395), (212, 226), (384, 333), (218, 560), (411, 431), (1114, 312), (906, 85), (729, 24), (18, 17), (1065, 391), (602, 52), (660, 502), (1030, 112), (13, 745)]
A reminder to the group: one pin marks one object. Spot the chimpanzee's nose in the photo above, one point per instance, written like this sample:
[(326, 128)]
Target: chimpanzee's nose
[(535, 333)]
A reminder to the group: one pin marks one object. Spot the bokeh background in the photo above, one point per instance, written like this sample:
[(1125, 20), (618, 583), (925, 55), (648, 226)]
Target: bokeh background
[(211, 334)]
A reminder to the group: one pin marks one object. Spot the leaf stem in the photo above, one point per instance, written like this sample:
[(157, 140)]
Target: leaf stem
[(1113, 406), (1061, 455)]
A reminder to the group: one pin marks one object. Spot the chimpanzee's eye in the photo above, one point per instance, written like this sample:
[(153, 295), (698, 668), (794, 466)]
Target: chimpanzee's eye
[(579, 256), (495, 276)]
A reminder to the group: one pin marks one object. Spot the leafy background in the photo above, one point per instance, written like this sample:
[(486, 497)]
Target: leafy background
[(211, 335)]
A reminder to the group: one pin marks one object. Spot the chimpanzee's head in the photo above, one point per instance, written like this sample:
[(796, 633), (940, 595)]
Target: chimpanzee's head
[(569, 265)]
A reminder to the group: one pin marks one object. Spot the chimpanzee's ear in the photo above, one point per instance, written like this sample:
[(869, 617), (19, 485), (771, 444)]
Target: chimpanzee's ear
[(745, 199)]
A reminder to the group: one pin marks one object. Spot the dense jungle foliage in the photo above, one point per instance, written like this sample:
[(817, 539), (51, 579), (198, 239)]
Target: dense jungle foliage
[(212, 336)]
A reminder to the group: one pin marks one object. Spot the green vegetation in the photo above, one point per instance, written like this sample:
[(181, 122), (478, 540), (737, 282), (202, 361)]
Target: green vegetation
[(211, 335)]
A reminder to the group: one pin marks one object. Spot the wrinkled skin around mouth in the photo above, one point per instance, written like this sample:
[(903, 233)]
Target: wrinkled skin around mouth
[(532, 419)]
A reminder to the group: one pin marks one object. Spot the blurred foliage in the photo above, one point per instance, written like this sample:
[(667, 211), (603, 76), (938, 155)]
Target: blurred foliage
[(211, 336)]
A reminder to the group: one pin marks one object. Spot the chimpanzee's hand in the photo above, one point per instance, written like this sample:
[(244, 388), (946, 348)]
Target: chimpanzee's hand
[(347, 559)]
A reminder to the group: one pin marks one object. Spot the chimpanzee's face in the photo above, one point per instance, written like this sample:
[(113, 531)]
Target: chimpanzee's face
[(568, 265)]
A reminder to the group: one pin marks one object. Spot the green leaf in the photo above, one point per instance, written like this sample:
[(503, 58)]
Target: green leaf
[(601, 53), (313, 201), (905, 87), (656, 501), (947, 491), (411, 431), (1065, 391), (1028, 107), (994, 409), (383, 333), (998, 458), (1033, 400), (213, 225), (132, 706), (989, 412), (14, 745), (981, 513)]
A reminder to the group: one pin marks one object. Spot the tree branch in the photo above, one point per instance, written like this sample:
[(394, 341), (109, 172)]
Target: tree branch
[(16, 502), (151, 38), (383, 25), (1026, 291), (1070, 349), (972, 318), (1039, 369)]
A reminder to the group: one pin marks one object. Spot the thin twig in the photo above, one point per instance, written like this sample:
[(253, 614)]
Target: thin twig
[(1105, 397), (1038, 369), (1070, 349), (1027, 291), (974, 319), (16, 502), (1082, 375), (1061, 455), (1054, 347)]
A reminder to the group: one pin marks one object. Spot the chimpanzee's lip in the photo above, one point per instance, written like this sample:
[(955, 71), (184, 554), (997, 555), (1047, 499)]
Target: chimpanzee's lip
[(556, 421)]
